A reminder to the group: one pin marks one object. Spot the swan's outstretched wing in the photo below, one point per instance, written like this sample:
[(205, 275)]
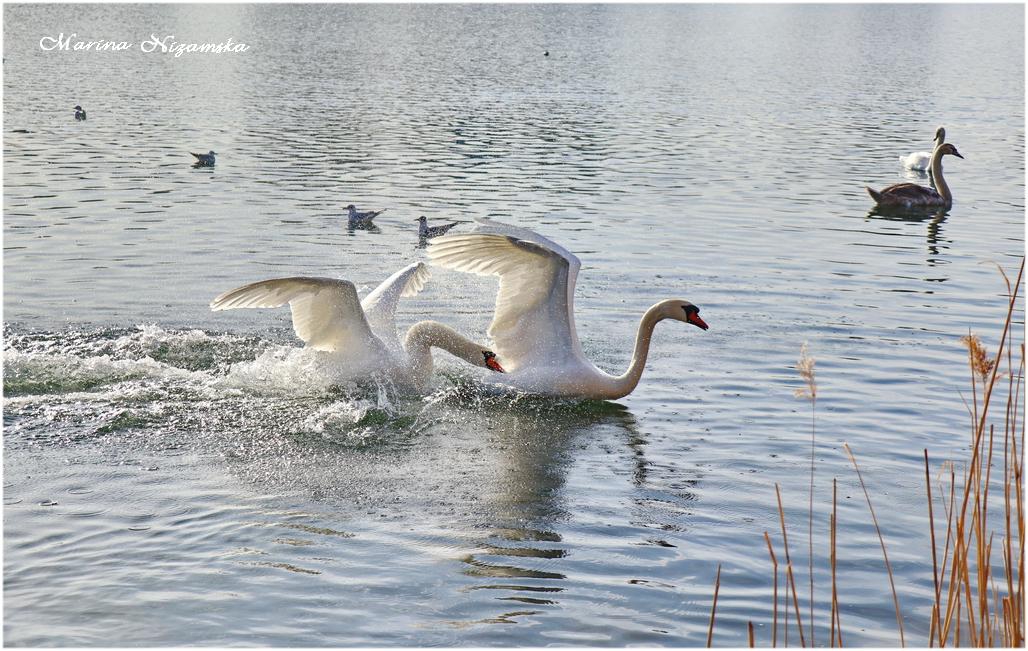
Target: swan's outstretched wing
[(380, 305), (326, 312), (533, 323)]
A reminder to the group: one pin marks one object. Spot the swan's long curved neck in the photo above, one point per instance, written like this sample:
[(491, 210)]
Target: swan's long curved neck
[(425, 335), (626, 382), (937, 179)]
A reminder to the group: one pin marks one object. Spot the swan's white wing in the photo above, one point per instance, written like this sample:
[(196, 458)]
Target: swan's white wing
[(533, 323), (326, 312), (919, 160), (486, 225), (380, 305)]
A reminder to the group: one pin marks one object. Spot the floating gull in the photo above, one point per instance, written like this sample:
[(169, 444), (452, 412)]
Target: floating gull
[(204, 160), (361, 219), (425, 231)]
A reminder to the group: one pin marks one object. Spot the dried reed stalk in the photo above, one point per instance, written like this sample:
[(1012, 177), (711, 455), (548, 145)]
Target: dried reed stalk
[(934, 623), (835, 625), (796, 603), (885, 554), (774, 620), (713, 607), (788, 560)]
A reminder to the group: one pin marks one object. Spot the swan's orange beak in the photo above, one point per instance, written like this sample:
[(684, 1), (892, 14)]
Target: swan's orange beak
[(694, 318), (490, 361)]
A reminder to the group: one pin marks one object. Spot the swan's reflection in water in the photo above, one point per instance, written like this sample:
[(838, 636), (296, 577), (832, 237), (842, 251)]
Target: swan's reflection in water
[(518, 560), (478, 509), (521, 556), (351, 229), (934, 218)]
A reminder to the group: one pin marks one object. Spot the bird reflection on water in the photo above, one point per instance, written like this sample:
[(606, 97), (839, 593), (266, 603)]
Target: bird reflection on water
[(482, 479), (934, 219)]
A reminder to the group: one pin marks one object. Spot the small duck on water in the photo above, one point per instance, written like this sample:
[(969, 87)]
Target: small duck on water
[(911, 196), (425, 231), (204, 160), (361, 219), (80, 113)]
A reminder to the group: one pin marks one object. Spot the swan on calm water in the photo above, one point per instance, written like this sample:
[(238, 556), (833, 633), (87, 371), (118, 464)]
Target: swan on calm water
[(912, 195), (921, 160), (329, 317), (533, 327)]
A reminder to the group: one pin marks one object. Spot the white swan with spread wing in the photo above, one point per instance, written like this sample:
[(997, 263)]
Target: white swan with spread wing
[(329, 317), (533, 327)]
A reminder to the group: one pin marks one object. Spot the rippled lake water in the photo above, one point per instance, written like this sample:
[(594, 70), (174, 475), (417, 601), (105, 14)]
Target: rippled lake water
[(174, 476)]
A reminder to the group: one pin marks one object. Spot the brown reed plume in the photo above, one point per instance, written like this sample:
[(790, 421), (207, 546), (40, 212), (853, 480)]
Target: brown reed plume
[(805, 366)]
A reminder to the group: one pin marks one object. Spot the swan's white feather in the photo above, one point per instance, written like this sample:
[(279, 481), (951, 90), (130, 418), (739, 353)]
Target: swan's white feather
[(326, 312), (919, 160), (380, 305), (535, 295)]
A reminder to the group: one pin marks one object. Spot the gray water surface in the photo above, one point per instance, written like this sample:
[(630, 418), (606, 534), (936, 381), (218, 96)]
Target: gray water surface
[(174, 476)]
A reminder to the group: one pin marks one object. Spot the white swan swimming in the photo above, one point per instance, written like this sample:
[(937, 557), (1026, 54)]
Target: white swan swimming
[(533, 327), (921, 160), (913, 196), (328, 316)]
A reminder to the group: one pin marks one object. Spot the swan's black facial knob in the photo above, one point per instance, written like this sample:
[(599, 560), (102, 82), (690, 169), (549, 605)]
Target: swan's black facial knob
[(692, 315), (490, 361)]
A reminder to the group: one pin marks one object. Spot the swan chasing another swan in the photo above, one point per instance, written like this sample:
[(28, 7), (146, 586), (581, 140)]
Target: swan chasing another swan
[(914, 196), (533, 327), (920, 160), (329, 317)]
